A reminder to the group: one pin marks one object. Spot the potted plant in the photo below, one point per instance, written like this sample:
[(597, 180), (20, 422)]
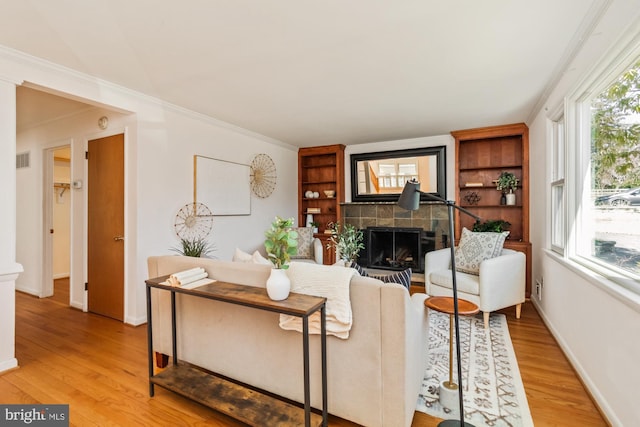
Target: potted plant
[(281, 243), (314, 225), (194, 248), (507, 183), (492, 225), (346, 240)]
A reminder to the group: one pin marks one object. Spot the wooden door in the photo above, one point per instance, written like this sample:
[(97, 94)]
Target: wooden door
[(105, 192)]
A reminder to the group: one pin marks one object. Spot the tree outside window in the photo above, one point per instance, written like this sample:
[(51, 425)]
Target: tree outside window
[(615, 156)]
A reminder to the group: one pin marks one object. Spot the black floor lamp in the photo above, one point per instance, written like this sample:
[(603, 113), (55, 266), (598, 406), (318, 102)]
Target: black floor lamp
[(410, 200)]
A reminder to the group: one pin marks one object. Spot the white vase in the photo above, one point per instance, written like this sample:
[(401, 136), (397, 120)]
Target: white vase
[(278, 284), (511, 198)]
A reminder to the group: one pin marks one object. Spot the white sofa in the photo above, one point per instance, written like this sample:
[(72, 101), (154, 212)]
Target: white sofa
[(374, 376)]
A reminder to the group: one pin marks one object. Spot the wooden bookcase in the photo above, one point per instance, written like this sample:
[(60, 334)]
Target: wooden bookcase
[(319, 169), (481, 155)]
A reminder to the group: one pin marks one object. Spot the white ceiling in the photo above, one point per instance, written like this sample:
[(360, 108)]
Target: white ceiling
[(313, 72)]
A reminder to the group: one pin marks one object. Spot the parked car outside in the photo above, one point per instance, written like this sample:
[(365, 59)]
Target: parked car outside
[(624, 198)]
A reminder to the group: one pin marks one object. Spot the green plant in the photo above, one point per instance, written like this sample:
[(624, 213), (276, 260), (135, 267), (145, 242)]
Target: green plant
[(346, 240), (281, 242), (194, 248), (494, 225), (314, 224), (507, 181)]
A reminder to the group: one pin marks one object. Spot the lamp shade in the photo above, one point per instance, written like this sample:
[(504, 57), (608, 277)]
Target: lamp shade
[(410, 197)]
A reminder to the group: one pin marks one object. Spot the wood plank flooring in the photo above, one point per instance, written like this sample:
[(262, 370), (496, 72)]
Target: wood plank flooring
[(99, 367)]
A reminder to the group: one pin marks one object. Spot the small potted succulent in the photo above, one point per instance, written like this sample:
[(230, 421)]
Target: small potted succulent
[(281, 243)]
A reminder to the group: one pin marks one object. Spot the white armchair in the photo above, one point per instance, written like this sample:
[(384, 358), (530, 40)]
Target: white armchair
[(500, 284), (309, 247)]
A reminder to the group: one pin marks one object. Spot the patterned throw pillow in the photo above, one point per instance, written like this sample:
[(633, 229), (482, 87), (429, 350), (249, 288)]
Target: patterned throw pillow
[(305, 242), (402, 277), (358, 268), (475, 247)]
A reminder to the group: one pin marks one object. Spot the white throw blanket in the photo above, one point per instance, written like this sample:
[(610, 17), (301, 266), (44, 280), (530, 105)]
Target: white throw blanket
[(331, 282)]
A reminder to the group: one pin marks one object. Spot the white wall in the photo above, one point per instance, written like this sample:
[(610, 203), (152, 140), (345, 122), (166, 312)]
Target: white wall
[(160, 141), (598, 329)]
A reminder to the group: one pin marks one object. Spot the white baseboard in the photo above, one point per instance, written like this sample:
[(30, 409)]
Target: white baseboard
[(34, 292), (135, 321), (6, 365)]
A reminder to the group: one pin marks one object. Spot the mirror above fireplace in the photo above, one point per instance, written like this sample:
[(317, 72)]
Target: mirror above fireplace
[(381, 176)]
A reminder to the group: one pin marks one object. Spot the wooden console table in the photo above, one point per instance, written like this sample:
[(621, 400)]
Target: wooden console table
[(245, 404)]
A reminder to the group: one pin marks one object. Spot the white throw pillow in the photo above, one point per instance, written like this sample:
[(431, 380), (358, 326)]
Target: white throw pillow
[(257, 258), (241, 256), (475, 247)]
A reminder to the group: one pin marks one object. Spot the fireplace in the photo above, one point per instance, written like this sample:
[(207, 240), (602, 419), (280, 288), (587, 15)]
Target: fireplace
[(396, 248)]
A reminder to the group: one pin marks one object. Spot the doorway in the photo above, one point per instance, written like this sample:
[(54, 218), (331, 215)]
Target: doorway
[(105, 224), (61, 209), (57, 225)]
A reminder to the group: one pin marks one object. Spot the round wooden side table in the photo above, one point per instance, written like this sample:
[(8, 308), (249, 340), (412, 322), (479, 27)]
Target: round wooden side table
[(445, 305)]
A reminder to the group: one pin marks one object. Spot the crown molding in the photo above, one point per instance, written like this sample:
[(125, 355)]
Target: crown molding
[(76, 78)]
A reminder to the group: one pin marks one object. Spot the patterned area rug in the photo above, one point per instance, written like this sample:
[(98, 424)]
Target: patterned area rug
[(494, 396)]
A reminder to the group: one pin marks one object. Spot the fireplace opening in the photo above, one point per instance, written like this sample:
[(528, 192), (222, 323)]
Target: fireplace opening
[(396, 248)]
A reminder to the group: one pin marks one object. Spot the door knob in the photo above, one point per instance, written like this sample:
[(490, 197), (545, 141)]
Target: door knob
[(118, 238)]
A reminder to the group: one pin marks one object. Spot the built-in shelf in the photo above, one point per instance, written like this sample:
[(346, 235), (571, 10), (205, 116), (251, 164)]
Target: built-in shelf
[(319, 169), (481, 154)]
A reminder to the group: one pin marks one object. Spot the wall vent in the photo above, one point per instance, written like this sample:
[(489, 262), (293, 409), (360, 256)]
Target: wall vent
[(23, 160)]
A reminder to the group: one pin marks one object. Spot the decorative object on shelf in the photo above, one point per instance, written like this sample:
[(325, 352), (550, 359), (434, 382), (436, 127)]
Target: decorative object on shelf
[(474, 184), (507, 183), (314, 225), (308, 194), (309, 220), (472, 198), (410, 200), (313, 210), (193, 222), (491, 225), (263, 175), (330, 194), (281, 243), (316, 195), (346, 240)]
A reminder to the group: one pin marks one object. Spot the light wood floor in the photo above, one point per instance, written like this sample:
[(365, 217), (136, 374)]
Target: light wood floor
[(99, 367)]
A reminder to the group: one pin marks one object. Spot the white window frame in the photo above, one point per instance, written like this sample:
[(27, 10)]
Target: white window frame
[(578, 158), (558, 210)]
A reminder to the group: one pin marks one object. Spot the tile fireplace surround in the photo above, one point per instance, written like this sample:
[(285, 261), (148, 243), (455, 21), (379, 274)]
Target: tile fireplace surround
[(429, 216)]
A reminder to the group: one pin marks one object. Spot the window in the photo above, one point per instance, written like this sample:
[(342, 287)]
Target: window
[(558, 215), (604, 151), (396, 174)]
